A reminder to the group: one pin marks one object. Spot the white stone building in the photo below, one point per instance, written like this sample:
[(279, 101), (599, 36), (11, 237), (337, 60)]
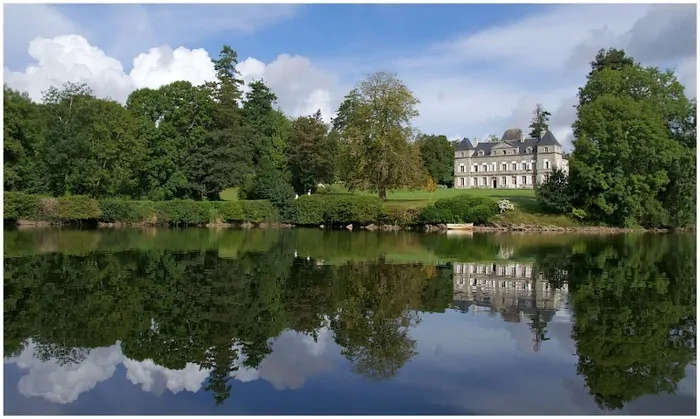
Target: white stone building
[(513, 162)]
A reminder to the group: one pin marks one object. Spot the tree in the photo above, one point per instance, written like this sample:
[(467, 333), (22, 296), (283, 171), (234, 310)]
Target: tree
[(430, 186), (374, 123), (311, 153), (492, 139), (540, 121), (437, 155), (91, 147), (23, 132), (633, 130), (555, 194)]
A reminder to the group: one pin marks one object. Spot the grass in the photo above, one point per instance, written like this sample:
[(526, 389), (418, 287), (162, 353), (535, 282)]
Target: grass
[(527, 210)]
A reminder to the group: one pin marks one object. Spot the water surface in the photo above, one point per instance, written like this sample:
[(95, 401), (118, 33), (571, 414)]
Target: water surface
[(298, 321)]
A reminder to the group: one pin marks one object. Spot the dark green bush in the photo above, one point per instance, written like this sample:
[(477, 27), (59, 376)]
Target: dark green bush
[(258, 211), (460, 209), (184, 212), (125, 211), (321, 208), (17, 205)]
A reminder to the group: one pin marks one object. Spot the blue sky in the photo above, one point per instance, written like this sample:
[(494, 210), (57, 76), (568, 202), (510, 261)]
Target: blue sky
[(477, 69)]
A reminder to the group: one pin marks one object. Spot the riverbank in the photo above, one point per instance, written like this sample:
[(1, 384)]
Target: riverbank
[(315, 211)]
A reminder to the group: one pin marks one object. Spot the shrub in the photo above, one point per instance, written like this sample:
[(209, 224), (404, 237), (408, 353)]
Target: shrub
[(259, 211), (17, 205), (77, 207), (555, 195), (124, 211), (460, 209), (182, 212), (400, 217), (318, 209)]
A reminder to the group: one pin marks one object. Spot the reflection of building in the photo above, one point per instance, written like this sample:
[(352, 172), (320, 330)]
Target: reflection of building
[(507, 288)]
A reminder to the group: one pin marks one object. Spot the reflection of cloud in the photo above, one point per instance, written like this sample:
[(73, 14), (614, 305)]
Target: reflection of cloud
[(295, 357), (64, 383), (156, 379)]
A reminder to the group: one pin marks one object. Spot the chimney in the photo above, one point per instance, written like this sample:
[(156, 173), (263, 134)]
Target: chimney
[(476, 141), (522, 137)]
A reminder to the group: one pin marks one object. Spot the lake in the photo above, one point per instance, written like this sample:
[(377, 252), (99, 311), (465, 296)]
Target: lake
[(305, 321)]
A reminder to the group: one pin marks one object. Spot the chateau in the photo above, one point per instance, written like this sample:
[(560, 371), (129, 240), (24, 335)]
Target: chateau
[(513, 162)]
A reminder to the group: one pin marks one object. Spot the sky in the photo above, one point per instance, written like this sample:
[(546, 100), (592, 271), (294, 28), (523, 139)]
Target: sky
[(476, 69)]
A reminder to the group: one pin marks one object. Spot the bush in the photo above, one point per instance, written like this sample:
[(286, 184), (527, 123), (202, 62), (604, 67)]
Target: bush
[(400, 217), (17, 205), (259, 211), (124, 211), (318, 209), (77, 208), (460, 209), (183, 212)]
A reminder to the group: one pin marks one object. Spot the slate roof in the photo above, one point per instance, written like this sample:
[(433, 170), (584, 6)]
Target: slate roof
[(511, 137), (548, 139), (465, 144)]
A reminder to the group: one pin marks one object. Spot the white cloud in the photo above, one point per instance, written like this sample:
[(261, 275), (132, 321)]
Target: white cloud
[(301, 88), (155, 379)]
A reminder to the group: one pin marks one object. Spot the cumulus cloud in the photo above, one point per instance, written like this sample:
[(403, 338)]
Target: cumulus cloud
[(302, 89)]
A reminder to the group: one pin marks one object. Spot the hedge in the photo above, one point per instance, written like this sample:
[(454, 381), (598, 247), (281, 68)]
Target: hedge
[(460, 209), (333, 209), (177, 212)]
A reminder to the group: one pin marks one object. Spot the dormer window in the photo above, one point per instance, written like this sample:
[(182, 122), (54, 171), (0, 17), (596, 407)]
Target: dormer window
[(546, 149), (461, 154), (504, 151), (481, 152), (528, 150)]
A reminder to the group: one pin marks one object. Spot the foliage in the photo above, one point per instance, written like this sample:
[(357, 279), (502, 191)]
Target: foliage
[(437, 156), (540, 121), (311, 153), (505, 205), (374, 128), (17, 205), (634, 128), (460, 209), (23, 133), (333, 209), (555, 194)]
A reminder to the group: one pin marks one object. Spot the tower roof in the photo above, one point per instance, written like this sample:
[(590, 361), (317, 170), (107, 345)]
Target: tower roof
[(465, 144), (548, 139)]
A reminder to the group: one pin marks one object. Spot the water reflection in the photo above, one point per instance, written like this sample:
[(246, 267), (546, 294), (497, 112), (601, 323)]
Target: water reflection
[(603, 322)]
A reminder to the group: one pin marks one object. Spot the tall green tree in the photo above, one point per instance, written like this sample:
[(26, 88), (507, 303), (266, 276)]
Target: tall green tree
[(91, 146), (374, 126), (437, 155), (311, 153), (633, 134), (540, 121), (23, 131)]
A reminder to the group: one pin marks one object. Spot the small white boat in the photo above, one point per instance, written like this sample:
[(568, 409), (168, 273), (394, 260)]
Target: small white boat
[(468, 226)]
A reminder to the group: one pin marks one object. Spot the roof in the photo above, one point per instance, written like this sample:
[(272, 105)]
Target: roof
[(465, 144), (548, 139), (522, 147), (513, 134)]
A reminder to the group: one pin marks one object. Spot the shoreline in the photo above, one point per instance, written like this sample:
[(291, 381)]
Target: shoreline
[(427, 228)]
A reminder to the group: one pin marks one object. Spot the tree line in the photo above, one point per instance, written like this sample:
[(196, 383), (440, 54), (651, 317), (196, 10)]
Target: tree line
[(633, 160), (182, 141)]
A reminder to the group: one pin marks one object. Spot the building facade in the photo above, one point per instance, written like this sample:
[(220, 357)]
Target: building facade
[(513, 162)]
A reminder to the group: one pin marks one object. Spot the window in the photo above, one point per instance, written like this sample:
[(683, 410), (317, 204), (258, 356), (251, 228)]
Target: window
[(461, 181), (474, 182), (546, 149), (545, 178), (483, 181), (505, 152), (476, 168), (546, 164), (514, 166), (461, 154), (503, 180), (481, 152), (483, 166), (461, 168), (514, 180), (504, 167), (524, 180), (528, 150)]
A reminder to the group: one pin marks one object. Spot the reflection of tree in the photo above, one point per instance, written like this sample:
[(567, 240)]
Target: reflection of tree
[(634, 311), (176, 308), (538, 326), (375, 314)]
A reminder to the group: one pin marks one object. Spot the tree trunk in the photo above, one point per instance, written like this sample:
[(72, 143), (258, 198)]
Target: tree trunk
[(382, 193)]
